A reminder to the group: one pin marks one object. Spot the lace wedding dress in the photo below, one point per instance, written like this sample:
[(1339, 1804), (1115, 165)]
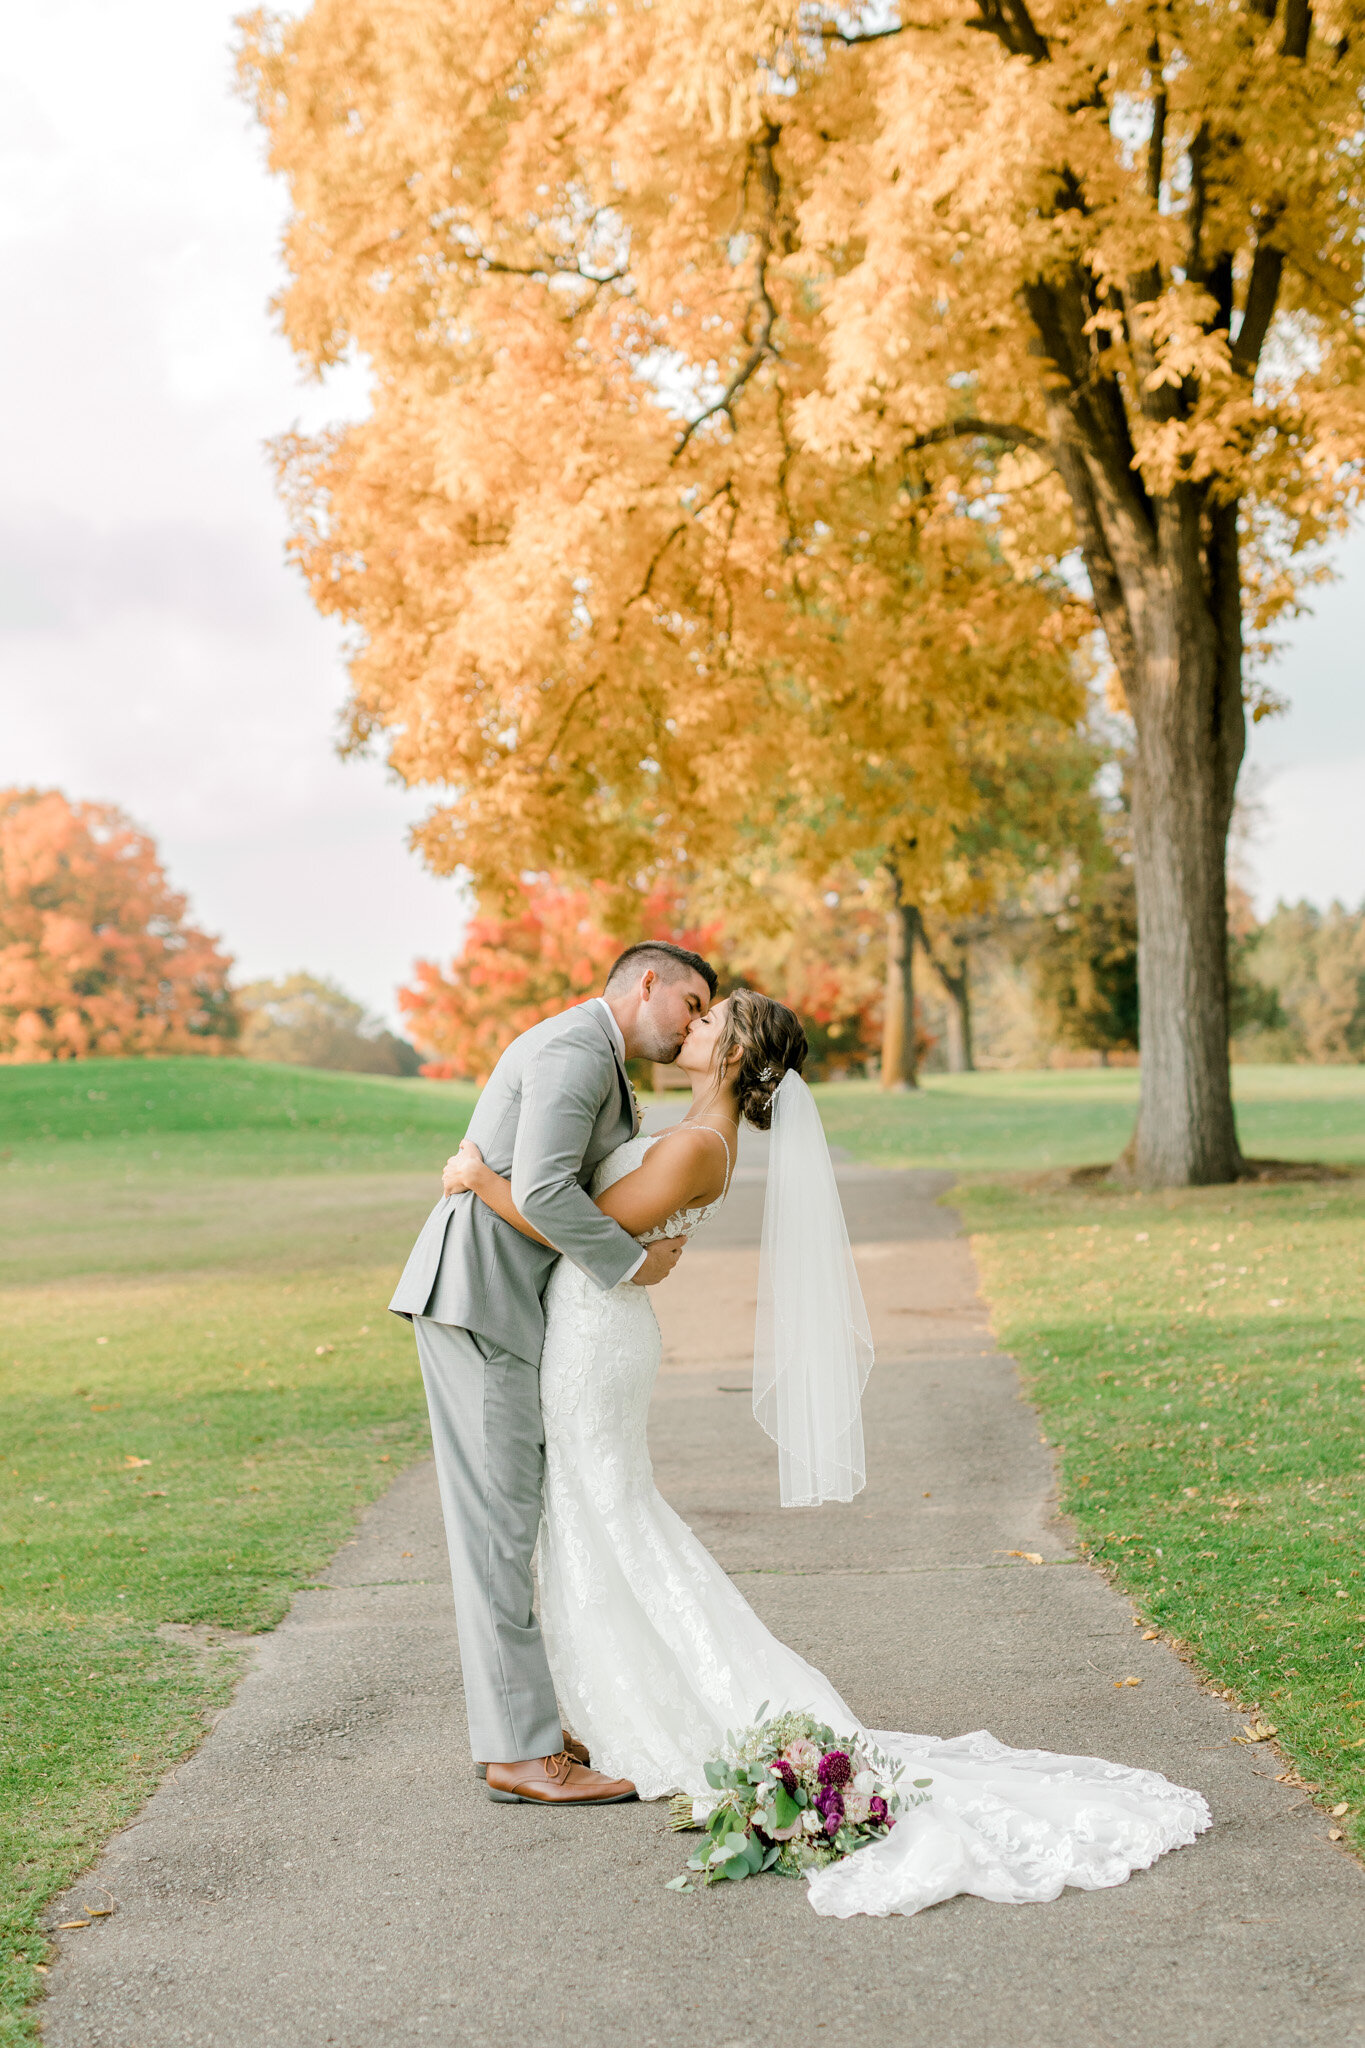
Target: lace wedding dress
[(655, 1654)]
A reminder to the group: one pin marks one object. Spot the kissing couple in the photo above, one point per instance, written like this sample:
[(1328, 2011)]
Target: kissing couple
[(528, 1292)]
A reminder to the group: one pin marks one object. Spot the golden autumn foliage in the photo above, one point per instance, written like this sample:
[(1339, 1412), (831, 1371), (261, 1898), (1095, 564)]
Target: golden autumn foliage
[(95, 953), (625, 655), (744, 373)]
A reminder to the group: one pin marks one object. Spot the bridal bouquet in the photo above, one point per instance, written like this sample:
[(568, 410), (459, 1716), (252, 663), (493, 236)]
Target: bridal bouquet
[(793, 1796)]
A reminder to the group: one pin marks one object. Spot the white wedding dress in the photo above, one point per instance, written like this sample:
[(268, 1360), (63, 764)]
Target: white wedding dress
[(655, 1654)]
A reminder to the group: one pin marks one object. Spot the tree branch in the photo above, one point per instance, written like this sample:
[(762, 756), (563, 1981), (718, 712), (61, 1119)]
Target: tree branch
[(549, 266), (761, 301), (1199, 199), (1298, 26), (1012, 24), (830, 32), (1263, 290), (970, 429), (1156, 143)]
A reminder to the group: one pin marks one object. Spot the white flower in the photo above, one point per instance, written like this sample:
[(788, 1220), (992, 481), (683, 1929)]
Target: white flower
[(866, 1781), (811, 1822)]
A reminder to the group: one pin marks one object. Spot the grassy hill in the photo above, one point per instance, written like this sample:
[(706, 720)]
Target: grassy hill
[(184, 1114)]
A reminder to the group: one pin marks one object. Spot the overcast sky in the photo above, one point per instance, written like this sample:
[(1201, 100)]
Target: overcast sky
[(155, 652)]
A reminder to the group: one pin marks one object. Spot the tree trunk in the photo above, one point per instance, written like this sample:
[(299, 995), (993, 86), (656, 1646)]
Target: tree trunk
[(956, 985), (898, 1017), (958, 1047), (1191, 733), (1166, 581)]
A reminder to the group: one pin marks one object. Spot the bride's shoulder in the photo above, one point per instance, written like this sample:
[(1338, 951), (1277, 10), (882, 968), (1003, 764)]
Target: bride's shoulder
[(694, 1153)]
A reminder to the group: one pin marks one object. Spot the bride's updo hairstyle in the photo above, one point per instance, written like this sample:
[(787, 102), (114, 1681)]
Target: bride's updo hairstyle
[(770, 1041)]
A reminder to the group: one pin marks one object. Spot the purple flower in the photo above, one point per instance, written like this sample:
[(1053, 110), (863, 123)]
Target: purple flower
[(835, 1768), (879, 1811), (830, 1804), (783, 1771)]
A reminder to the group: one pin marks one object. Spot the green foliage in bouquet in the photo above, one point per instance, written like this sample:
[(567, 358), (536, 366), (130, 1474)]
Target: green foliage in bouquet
[(792, 1796)]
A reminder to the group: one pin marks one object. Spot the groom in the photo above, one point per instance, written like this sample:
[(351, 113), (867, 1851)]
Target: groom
[(556, 1103)]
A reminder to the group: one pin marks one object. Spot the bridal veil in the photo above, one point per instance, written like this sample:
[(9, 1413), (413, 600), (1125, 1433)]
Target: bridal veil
[(813, 1342)]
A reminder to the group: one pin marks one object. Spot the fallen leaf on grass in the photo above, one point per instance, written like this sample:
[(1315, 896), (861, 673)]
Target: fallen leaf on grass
[(1343, 1806), (1256, 1731), (1029, 1556), (131, 1460), (321, 1350), (1335, 1835), (1151, 1635)]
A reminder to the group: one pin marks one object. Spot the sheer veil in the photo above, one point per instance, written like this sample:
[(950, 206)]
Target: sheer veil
[(813, 1342)]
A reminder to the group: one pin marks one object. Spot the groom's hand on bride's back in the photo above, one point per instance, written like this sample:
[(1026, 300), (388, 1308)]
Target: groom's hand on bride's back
[(660, 1259)]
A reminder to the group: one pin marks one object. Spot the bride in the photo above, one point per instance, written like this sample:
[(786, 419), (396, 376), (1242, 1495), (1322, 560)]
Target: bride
[(655, 1654)]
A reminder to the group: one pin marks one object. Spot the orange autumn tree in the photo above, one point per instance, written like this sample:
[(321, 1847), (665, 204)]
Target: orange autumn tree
[(1091, 274), (514, 970), (598, 590), (95, 952)]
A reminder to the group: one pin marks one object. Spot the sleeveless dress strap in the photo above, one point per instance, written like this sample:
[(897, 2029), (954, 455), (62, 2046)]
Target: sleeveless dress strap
[(729, 1163)]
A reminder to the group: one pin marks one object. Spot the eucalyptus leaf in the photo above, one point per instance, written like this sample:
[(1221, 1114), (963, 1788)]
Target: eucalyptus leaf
[(786, 1811), (677, 1884), (717, 1777), (921, 1781), (736, 1868)]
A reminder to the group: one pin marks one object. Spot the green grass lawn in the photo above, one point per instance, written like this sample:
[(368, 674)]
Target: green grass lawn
[(1198, 1359), (1199, 1362), (200, 1387), (1027, 1122)]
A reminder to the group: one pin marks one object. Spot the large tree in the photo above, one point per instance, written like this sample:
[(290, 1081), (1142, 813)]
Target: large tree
[(629, 623), (1124, 241), (96, 955), (1074, 276)]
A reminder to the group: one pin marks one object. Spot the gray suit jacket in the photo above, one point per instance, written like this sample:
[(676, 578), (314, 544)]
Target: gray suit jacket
[(556, 1103)]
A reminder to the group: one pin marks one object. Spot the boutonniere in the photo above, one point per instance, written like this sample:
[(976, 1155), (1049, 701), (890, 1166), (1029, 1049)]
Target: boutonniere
[(635, 1100)]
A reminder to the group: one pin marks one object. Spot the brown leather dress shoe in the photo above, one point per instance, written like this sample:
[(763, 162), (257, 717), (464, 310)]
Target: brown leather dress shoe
[(555, 1781), (572, 1747)]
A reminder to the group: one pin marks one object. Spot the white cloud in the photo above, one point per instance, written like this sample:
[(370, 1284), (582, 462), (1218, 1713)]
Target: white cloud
[(155, 651), (1311, 841)]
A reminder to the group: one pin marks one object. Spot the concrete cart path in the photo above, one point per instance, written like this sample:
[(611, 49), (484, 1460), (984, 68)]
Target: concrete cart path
[(326, 1872)]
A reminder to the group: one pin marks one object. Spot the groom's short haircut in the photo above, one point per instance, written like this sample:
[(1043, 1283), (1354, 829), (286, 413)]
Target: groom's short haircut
[(670, 963)]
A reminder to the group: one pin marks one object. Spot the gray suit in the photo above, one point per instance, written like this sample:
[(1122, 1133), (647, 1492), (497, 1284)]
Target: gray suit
[(556, 1103)]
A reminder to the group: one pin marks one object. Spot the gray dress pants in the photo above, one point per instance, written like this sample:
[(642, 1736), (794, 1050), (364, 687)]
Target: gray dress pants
[(489, 1441)]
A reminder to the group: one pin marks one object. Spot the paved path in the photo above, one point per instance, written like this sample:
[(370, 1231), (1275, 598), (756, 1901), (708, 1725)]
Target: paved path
[(326, 1871)]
